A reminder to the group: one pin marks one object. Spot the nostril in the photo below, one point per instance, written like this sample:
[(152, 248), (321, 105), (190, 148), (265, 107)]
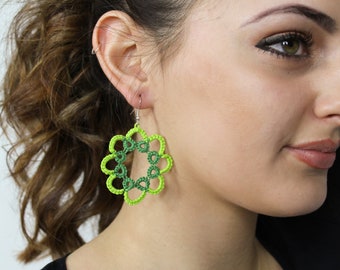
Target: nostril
[(328, 106)]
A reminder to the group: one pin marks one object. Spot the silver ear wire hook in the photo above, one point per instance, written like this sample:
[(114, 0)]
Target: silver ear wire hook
[(137, 117)]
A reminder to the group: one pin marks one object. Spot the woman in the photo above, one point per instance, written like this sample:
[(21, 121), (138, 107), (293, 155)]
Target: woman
[(246, 95)]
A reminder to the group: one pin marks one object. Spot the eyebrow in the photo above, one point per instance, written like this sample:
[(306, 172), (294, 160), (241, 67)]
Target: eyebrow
[(323, 20)]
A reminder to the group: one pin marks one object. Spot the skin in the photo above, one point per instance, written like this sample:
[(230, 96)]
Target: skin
[(230, 113)]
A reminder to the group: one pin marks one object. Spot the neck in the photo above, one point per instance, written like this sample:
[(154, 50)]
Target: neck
[(177, 230), (182, 234)]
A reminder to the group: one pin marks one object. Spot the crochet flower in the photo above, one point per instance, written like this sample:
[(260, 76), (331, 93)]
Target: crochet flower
[(121, 172)]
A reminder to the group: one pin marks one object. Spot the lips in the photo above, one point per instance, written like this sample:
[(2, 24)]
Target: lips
[(318, 155)]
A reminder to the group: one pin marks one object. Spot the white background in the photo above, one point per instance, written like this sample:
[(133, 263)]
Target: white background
[(11, 240)]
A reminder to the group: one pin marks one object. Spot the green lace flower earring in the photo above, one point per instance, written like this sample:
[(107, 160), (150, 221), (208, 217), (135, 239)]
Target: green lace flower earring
[(120, 171)]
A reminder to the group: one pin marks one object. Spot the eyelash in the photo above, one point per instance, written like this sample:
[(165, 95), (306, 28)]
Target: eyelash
[(305, 40)]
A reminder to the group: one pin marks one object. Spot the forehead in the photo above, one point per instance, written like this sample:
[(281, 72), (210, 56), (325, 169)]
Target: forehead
[(238, 9)]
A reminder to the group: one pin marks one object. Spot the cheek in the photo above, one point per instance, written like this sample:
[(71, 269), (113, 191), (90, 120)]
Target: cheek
[(217, 106), (227, 122), (219, 121)]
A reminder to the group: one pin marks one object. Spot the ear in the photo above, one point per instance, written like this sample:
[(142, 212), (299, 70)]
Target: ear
[(118, 46)]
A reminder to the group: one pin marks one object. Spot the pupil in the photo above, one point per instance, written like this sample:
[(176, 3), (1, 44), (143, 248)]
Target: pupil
[(291, 46)]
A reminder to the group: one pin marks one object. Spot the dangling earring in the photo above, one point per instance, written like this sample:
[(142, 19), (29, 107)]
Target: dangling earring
[(120, 171)]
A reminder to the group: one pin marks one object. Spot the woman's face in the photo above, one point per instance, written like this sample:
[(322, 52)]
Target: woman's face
[(250, 103)]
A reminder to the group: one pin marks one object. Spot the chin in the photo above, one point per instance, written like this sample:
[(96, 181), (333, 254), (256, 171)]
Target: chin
[(305, 209), (301, 204)]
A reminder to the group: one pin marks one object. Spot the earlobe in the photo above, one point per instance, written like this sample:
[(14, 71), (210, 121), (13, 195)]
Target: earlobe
[(116, 44)]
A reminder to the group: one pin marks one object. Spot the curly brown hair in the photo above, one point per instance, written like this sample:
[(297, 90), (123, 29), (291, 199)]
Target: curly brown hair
[(64, 111)]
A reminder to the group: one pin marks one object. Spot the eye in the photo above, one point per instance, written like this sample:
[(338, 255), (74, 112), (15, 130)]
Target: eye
[(292, 44), (289, 47)]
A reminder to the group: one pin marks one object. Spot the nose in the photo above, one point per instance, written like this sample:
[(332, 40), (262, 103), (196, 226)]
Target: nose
[(327, 106), (327, 103)]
